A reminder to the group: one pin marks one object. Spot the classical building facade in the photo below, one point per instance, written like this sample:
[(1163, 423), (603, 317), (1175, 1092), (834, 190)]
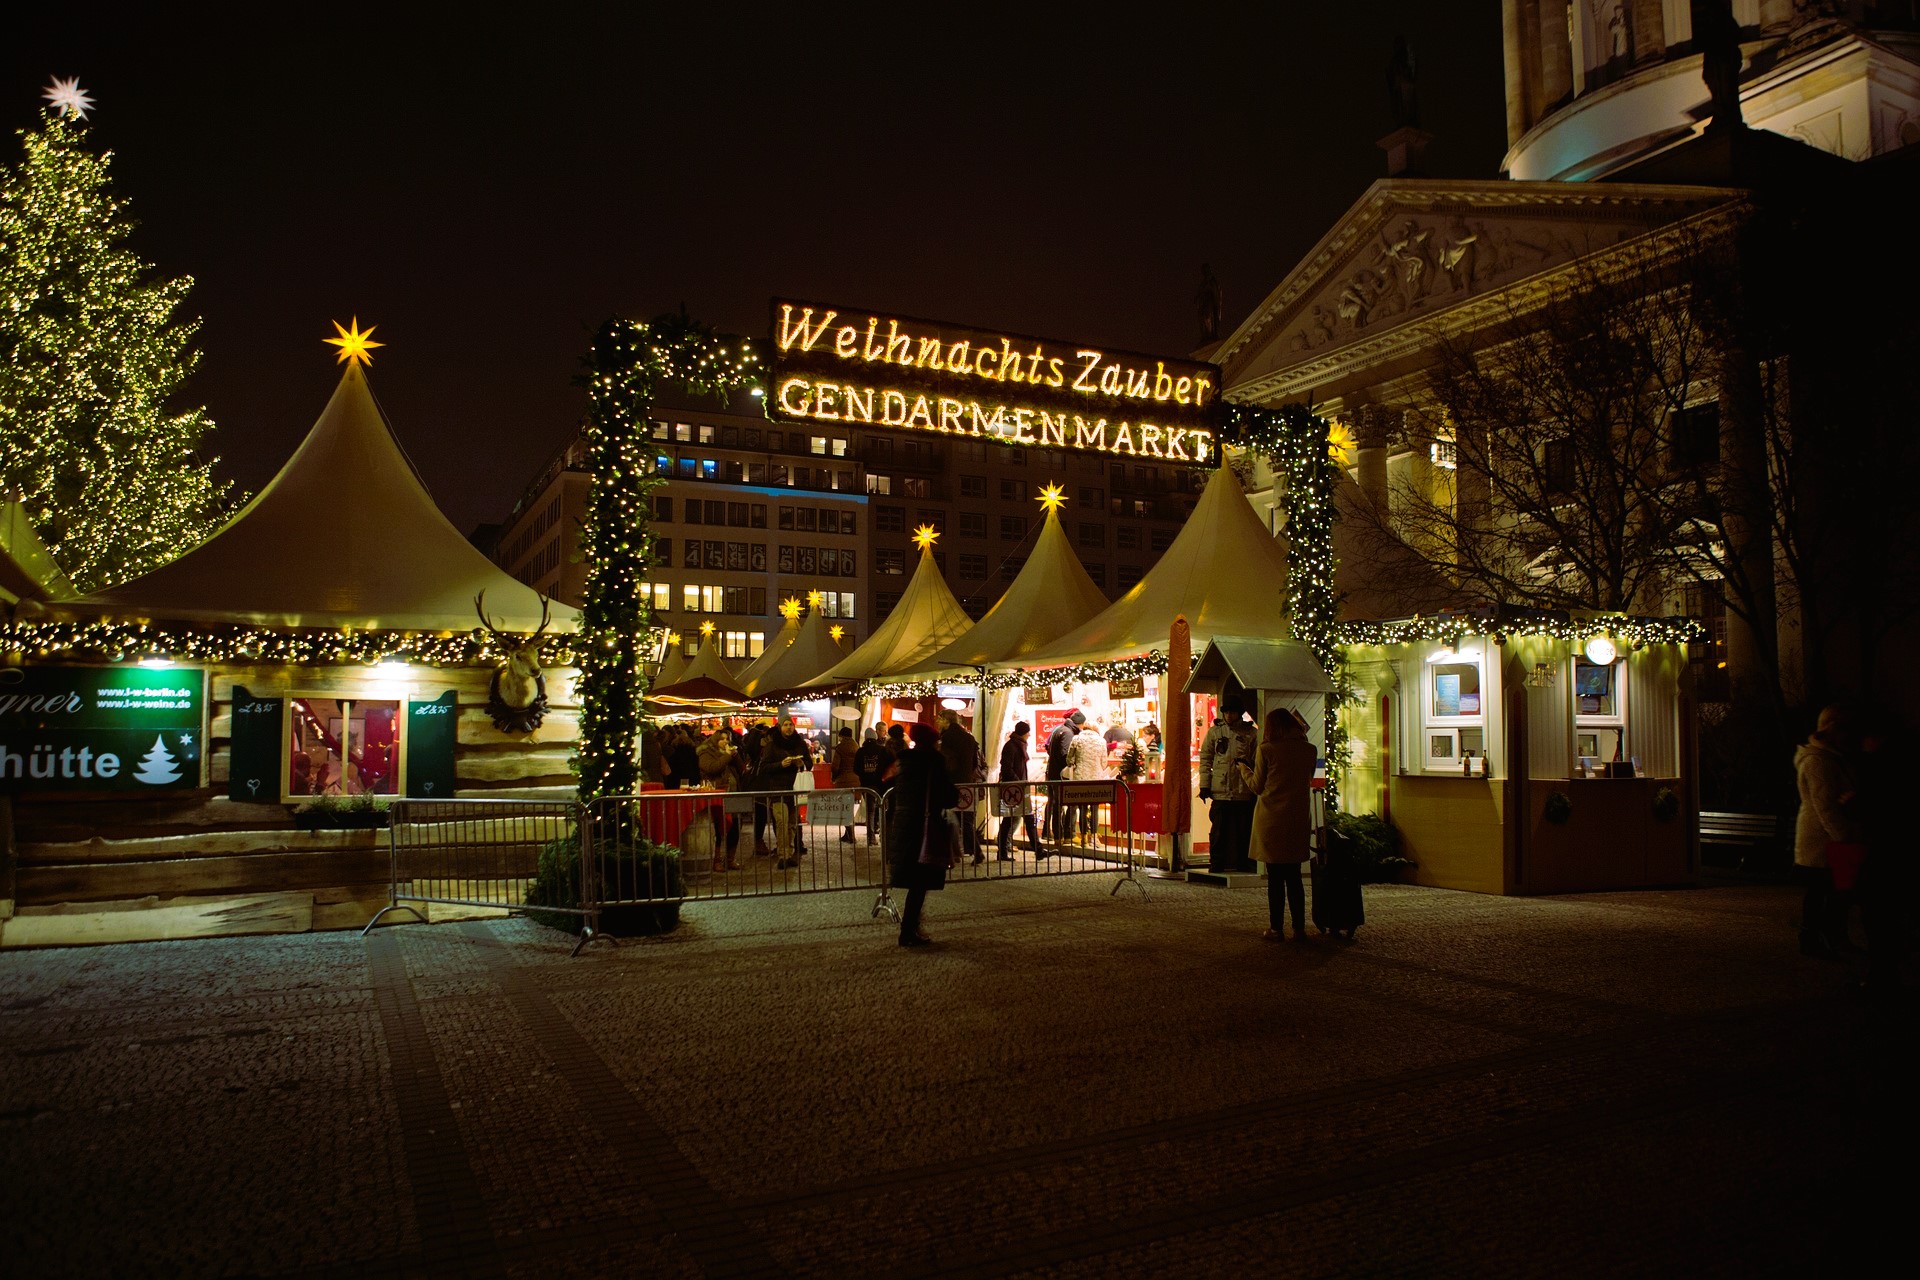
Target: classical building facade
[(1642, 134)]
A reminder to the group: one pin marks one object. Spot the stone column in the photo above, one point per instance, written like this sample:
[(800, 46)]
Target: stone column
[(1371, 432)]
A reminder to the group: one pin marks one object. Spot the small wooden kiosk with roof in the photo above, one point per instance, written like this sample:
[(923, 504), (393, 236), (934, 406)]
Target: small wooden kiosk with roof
[(324, 646)]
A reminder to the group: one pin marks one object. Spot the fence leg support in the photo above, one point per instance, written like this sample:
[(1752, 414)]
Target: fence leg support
[(589, 935), (885, 903), (391, 906)]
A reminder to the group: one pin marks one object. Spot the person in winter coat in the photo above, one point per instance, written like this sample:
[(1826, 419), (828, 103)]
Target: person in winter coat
[(1086, 762), (962, 755), (922, 793), (844, 774), (1015, 801), (1826, 782), (870, 764), (719, 771), (1057, 744), (1282, 781), (1229, 742), (683, 759), (786, 753)]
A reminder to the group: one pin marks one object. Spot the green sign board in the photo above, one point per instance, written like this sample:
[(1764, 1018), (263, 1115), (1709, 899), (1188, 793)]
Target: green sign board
[(101, 728), (432, 729)]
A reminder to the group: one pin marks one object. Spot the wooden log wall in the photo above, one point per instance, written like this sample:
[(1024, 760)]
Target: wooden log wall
[(115, 866)]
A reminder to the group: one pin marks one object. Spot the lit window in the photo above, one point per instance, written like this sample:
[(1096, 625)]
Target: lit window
[(819, 445), (681, 431), (879, 484), (756, 643), (1453, 714), (690, 598), (1600, 709), (846, 604), (343, 747), (706, 433)]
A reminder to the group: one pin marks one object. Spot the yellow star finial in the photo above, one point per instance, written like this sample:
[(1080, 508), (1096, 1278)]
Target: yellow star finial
[(1052, 496), (925, 536), (673, 637), (815, 599), (836, 631), (790, 608), (354, 345), (1340, 444)]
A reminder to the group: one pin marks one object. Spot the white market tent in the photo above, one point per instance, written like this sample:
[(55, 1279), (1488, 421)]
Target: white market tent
[(811, 651), (1225, 572), (1051, 596), (926, 620), (749, 679), (672, 667), (346, 535), (706, 681)]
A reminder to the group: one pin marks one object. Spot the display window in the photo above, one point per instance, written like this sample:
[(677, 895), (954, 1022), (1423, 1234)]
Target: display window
[(1599, 711), (1454, 717), (343, 746)]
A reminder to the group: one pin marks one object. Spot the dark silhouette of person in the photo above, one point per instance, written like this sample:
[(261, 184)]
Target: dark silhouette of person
[(1403, 93)]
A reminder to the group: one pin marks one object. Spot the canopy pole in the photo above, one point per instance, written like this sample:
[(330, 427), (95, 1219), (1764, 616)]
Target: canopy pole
[(1176, 796)]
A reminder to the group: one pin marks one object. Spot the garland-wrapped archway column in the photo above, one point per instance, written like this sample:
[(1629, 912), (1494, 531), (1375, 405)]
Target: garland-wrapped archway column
[(628, 363)]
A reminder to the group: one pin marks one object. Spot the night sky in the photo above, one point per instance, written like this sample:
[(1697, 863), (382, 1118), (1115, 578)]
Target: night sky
[(488, 191)]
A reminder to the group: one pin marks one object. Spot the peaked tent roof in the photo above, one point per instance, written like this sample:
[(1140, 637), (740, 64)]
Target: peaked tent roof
[(1051, 596), (1224, 571), (749, 679), (706, 679), (672, 667), (345, 536), (813, 650), (27, 569), (926, 620)]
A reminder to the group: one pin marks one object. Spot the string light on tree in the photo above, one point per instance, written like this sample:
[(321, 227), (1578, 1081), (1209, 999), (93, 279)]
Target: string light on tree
[(112, 477)]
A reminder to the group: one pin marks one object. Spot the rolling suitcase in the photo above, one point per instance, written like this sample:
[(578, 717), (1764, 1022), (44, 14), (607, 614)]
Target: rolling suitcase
[(1337, 908)]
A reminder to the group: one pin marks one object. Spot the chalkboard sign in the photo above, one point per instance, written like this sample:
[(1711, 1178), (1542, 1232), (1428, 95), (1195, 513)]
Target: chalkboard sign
[(432, 729), (254, 773)]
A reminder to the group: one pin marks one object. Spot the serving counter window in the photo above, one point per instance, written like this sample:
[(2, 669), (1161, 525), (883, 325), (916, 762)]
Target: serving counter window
[(1599, 710), (1454, 717)]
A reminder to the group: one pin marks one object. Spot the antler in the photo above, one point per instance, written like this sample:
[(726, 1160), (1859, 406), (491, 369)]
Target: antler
[(541, 629), (480, 607)]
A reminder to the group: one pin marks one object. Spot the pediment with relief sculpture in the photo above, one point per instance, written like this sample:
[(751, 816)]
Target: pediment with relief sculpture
[(1412, 251)]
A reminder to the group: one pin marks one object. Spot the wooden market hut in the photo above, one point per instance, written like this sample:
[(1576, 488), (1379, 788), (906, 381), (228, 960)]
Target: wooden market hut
[(336, 609), (1519, 753)]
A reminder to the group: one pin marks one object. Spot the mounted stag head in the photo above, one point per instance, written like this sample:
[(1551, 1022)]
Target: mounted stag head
[(517, 697)]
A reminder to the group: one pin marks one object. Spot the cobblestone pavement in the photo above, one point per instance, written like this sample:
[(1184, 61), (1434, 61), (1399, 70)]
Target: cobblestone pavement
[(1068, 1084)]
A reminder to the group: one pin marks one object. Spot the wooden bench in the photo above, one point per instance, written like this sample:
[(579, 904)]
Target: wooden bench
[(1751, 833)]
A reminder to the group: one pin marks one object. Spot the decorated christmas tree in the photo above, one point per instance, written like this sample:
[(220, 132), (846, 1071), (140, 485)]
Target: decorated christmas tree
[(157, 767), (90, 356)]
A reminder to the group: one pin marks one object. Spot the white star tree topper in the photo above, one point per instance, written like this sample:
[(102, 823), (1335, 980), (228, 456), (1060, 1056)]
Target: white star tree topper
[(67, 98)]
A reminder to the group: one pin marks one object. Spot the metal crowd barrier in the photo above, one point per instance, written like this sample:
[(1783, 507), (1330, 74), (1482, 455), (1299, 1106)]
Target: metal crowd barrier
[(736, 844), (698, 845), (1020, 830), (485, 853)]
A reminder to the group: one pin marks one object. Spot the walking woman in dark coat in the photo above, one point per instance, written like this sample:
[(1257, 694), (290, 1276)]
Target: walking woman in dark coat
[(922, 792)]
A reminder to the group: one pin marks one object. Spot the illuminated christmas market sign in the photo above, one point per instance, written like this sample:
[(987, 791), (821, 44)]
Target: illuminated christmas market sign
[(845, 366)]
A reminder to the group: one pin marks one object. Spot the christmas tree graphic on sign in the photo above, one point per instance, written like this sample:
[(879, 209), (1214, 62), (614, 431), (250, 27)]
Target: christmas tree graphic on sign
[(157, 767)]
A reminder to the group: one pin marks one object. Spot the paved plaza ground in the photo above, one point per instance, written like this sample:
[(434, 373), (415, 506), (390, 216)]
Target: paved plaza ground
[(1069, 1084)]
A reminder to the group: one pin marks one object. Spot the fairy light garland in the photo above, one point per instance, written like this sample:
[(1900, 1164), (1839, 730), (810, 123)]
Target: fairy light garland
[(120, 642), (1300, 446), (1636, 632), (628, 362)]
